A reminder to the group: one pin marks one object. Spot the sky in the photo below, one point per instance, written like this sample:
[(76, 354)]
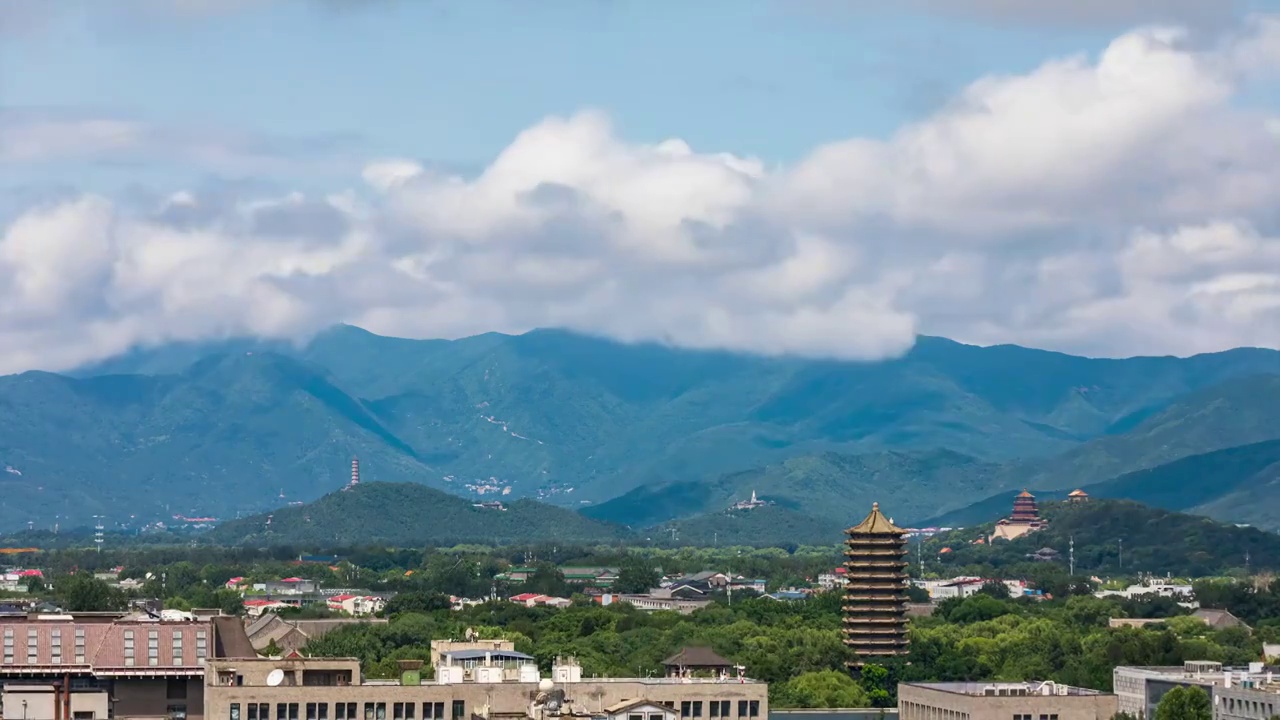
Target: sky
[(826, 178)]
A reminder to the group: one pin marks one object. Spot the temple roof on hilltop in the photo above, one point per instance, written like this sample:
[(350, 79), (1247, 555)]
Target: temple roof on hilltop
[(876, 524), (1025, 494), (1077, 493)]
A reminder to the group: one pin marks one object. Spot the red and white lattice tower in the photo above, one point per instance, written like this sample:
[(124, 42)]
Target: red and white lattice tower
[(355, 471)]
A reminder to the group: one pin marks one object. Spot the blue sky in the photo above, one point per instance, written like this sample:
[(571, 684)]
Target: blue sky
[(454, 82)]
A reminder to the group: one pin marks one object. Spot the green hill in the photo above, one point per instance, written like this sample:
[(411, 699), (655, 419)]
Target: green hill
[(1238, 484), (577, 421), (1154, 540), (831, 487), (408, 514), (229, 435), (769, 526)]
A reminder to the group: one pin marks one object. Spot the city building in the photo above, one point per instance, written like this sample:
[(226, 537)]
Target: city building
[(1002, 701), (875, 604), (658, 599), (485, 678), (598, 577), (1250, 693), (356, 605), (84, 666)]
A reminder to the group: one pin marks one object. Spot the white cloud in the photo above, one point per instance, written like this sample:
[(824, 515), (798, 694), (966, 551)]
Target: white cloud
[(1114, 205)]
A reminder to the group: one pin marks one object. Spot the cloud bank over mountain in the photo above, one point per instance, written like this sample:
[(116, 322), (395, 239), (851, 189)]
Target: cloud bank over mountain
[(1118, 204)]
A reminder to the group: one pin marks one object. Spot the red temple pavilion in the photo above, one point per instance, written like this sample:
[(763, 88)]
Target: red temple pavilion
[(1024, 508)]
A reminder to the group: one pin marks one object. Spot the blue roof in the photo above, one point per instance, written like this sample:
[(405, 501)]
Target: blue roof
[(495, 654)]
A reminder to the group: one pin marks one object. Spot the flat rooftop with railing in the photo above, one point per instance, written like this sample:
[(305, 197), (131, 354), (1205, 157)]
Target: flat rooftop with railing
[(1008, 689)]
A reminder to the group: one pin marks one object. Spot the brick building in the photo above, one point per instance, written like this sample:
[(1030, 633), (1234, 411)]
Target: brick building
[(81, 666)]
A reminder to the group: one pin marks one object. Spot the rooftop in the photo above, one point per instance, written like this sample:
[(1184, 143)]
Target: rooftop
[(697, 657), (481, 654), (876, 524), (981, 689)]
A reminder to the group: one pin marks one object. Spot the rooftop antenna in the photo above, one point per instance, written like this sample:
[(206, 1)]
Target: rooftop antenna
[(1072, 554), (97, 532), (673, 534), (920, 553)]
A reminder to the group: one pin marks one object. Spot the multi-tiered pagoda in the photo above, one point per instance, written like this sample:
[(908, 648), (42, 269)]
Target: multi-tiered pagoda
[(1024, 520), (875, 600), (1024, 508)]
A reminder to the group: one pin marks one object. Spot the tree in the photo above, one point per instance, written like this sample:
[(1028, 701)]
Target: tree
[(1185, 703), (417, 602), (996, 589), (637, 575), (272, 649), (83, 592), (878, 685), (547, 580), (822, 689)]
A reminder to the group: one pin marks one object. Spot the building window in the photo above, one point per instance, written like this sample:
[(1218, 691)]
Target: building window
[(686, 709), (293, 711), (339, 712), (312, 712), (324, 711), (176, 712), (433, 711), (397, 711), (459, 709), (742, 708), (408, 710), (753, 708), (235, 711), (282, 711), (368, 711), (381, 713)]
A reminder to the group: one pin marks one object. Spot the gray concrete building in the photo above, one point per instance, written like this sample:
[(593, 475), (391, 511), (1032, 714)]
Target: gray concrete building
[(1002, 701), (1250, 693), (492, 682)]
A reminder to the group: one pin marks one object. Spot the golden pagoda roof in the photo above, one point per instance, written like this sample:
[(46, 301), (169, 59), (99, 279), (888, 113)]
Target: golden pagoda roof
[(876, 524), (1077, 493), (1025, 494)]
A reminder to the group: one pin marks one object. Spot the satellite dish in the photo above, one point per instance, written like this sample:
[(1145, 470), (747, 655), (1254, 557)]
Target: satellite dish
[(275, 677)]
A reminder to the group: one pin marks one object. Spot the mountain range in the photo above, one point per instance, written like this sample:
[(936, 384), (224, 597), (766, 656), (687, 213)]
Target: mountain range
[(637, 435)]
